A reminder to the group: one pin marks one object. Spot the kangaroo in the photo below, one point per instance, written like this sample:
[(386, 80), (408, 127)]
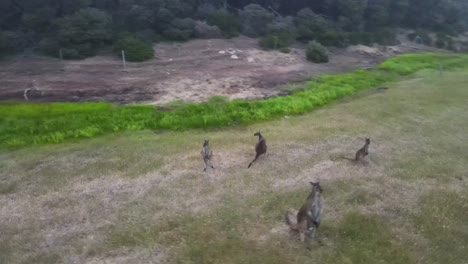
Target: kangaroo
[(309, 216), (207, 154), (362, 152), (260, 147)]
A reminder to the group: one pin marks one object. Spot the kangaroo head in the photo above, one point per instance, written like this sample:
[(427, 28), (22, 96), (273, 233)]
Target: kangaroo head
[(258, 134), (367, 140), (206, 142), (316, 187)]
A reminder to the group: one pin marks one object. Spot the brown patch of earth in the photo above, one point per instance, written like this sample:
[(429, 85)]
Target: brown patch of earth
[(193, 71)]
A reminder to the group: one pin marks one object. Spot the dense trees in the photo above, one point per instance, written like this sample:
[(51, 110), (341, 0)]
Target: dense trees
[(80, 27)]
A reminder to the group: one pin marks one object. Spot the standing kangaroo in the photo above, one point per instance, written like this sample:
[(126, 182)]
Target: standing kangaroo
[(362, 152), (309, 216), (207, 154), (260, 147)]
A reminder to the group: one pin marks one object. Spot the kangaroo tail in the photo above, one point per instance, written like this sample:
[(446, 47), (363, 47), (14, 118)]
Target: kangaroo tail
[(290, 219), (250, 164), (339, 157), (256, 157)]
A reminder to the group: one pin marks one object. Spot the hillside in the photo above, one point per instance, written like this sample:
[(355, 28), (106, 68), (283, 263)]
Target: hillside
[(141, 197)]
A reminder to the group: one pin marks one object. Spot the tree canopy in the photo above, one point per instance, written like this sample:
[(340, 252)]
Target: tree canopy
[(80, 27)]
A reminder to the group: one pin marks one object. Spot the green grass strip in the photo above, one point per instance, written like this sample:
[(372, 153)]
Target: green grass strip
[(30, 124)]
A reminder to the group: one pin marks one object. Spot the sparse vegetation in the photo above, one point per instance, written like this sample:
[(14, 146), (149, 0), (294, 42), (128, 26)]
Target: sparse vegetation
[(442, 219)]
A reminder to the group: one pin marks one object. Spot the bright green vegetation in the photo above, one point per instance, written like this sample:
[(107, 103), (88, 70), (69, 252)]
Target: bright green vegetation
[(25, 124), (412, 63), (29, 124), (141, 197)]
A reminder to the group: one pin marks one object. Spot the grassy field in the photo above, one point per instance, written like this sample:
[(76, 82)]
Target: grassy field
[(141, 197), (23, 125)]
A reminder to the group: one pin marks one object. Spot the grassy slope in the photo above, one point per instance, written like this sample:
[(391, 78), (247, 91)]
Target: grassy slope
[(31, 124), (138, 197)]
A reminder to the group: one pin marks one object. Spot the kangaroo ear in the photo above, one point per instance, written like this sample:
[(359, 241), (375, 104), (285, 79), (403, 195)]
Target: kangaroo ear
[(312, 183)]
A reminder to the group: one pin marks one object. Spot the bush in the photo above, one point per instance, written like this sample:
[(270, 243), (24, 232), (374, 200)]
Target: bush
[(226, 22), (83, 33), (148, 35), (316, 52), (444, 42), (49, 47), (180, 29), (254, 19), (11, 42), (282, 24), (309, 24), (426, 39), (411, 36), (135, 49), (332, 38), (203, 30), (385, 37), (364, 38), (275, 41)]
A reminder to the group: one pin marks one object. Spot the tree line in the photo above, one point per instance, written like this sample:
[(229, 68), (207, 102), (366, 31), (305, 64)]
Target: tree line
[(79, 28)]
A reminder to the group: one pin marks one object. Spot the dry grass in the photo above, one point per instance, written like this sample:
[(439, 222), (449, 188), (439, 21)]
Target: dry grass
[(143, 198)]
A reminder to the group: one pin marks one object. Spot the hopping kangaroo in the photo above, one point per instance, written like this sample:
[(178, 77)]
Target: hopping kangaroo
[(362, 152), (260, 147), (207, 154), (310, 214)]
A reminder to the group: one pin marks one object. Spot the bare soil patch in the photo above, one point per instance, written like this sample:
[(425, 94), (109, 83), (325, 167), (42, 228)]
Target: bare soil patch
[(192, 71)]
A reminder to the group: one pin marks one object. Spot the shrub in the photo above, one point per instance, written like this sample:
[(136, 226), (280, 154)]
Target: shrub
[(180, 29), (309, 24), (203, 30), (425, 38), (275, 41), (332, 38), (444, 41), (11, 42), (385, 37), (148, 35), (316, 52), (226, 22), (49, 47), (254, 18), (440, 43), (83, 33), (364, 38), (282, 24), (135, 49), (411, 36)]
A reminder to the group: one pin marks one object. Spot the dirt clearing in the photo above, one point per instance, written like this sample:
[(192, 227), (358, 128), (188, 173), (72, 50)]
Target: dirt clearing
[(193, 71)]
